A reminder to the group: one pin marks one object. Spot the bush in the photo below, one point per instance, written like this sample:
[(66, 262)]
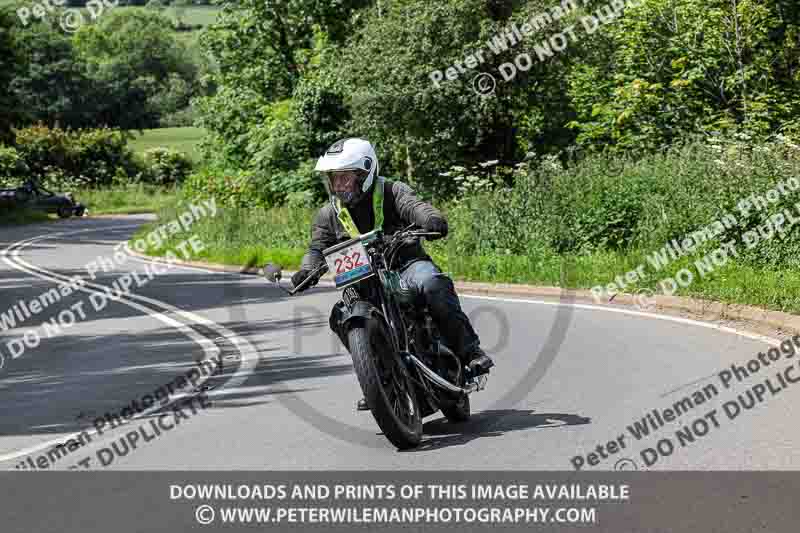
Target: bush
[(626, 204), (231, 189), (89, 158), (12, 165), (279, 186), (254, 188), (165, 166)]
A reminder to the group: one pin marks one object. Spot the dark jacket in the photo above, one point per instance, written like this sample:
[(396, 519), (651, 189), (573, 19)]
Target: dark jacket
[(401, 207)]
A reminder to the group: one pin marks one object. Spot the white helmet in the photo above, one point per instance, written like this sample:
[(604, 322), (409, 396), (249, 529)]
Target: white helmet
[(350, 154)]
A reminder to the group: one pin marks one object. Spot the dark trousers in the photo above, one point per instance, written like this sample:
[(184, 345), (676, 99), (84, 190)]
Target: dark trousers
[(440, 295)]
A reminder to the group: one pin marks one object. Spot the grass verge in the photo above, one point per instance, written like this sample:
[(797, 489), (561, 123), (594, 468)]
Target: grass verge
[(242, 236), (18, 217), (248, 237)]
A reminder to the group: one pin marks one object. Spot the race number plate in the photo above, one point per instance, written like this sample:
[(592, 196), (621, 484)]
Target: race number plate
[(349, 265)]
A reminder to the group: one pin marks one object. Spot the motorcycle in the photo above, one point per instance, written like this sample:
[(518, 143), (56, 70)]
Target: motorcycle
[(405, 370)]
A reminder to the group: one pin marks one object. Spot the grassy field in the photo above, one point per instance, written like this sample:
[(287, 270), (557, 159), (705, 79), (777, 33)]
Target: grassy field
[(182, 139), (203, 15)]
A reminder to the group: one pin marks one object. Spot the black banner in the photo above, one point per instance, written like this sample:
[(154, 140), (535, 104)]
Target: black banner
[(618, 502)]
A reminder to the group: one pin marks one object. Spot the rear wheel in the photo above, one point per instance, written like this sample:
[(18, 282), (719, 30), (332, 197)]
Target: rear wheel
[(385, 384), (64, 212)]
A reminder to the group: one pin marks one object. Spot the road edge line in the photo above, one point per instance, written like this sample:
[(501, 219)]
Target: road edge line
[(706, 310)]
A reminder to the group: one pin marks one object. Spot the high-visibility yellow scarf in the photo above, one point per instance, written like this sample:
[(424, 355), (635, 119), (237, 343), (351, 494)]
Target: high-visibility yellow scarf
[(343, 214)]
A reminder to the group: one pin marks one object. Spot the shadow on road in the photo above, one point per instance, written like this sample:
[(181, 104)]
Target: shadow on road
[(491, 424), (64, 386)]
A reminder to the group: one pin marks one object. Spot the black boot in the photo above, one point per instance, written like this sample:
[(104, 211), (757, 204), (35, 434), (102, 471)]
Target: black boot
[(362, 405), (478, 362)]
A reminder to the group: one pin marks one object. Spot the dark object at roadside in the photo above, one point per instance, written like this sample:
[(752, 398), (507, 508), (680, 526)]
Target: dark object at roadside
[(31, 195)]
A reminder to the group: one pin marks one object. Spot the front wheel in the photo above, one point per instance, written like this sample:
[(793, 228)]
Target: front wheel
[(386, 385)]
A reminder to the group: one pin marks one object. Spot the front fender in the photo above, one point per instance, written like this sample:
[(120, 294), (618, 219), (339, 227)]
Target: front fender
[(342, 316)]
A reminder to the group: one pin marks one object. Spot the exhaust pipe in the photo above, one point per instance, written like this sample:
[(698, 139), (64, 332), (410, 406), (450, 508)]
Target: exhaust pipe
[(440, 381)]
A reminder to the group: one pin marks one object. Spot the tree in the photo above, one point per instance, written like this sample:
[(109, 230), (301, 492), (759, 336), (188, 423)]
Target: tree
[(11, 66), (428, 126), (256, 42), (142, 68), (53, 86), (266, 53), (690, 66)]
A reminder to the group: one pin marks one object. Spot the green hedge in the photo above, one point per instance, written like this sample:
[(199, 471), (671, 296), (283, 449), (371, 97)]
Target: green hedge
[(94, 158), (251, 189), (165, 166), (90, 158)]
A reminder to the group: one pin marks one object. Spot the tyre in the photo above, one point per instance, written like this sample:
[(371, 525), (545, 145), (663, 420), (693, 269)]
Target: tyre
[(385, 384), (80, 211), (457, 412), (64, 212)]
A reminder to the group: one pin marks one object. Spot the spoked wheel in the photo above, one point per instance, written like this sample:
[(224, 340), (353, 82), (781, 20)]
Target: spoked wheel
[(386, 385)]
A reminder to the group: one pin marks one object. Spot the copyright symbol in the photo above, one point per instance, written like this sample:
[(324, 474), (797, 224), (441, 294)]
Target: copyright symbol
[(625, 464), (204, 515), (645, 299), (484, 84), (71, 20)]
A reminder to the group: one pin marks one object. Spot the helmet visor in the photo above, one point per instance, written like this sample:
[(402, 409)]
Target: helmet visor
[(344, 181)]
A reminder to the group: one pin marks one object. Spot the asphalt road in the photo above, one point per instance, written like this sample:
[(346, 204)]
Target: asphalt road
[(569, 378)]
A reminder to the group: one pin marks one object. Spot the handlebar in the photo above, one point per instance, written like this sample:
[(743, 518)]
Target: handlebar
[(315, 275), (413, 231), (273, 272)]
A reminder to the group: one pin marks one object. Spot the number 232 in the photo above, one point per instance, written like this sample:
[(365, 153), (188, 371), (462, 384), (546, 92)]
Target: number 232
[(348, 262)]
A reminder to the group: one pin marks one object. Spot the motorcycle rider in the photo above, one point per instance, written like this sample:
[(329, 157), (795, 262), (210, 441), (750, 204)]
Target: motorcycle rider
[(362, 200)]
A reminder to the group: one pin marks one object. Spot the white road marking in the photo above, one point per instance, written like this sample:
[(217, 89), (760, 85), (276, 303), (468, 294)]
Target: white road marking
[(655, 316), (249, 356)]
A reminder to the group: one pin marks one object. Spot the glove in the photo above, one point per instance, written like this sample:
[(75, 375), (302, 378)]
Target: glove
[(437, 225), (300, 277)]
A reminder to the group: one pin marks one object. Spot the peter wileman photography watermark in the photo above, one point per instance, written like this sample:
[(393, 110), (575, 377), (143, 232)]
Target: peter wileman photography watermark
[(147, 405), (69, 19), (24, 310), (773, 226), (485, 83), (702, 424)]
